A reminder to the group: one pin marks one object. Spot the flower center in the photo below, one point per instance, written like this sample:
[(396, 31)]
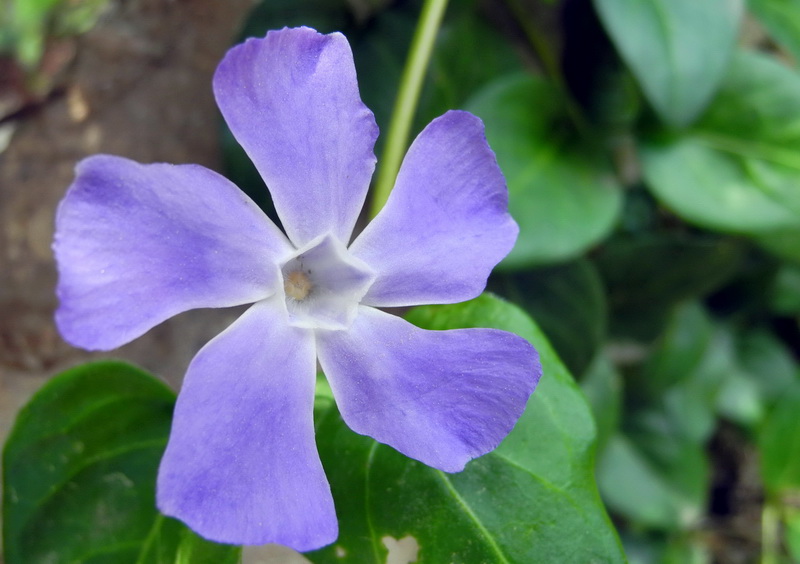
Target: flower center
[(297, 285), (323, 285)]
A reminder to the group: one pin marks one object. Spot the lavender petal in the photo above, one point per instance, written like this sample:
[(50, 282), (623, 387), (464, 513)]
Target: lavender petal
[(241, 466), (136, 244), (446, 223), (291, 100), (441, 397)]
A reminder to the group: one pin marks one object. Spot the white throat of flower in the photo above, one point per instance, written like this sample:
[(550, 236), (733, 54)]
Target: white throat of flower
[(323, 285)]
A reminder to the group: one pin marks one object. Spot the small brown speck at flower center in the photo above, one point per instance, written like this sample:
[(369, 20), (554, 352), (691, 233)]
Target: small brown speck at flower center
[(297, 285)]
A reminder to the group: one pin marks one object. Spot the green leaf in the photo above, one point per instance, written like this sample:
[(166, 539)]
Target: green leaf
[(170, 541), (761, 371), (779, 445), (782, 19), (649, 547), (657, 480), (647, 275), (783, 243), (531, 500), (740, 401), (738, 169), (569, 304), (602, 385), (685, 373), (792, 520), (469, 53), (680, 349), (785, 294), (562, 194), (679, 50), (79, 471), (762, 355)]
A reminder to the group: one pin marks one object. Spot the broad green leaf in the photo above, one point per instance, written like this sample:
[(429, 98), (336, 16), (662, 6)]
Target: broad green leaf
[(562, 194), (469, 53), (568, 302), (649, 547), (685, 373), (770, 364), (739, 400), (679, 50), (738, 169), (602, 385), (79, 472), (783, 243), (785, 294), (170, 541), (693, 402), (779, 445), (792, 520), (647, 275), (656, 479), (531, 500), (761, 371), (680, 349), (782, 19)]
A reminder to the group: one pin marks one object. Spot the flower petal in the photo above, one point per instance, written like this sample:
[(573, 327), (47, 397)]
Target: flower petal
[(446, 223), (441, 397), (291, 100), (137, 244), (241, 466)]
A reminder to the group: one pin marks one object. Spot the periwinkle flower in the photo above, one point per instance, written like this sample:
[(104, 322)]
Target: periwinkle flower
[(137, 244)]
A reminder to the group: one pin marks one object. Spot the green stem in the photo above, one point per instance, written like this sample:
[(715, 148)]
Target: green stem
[(406, 103), (770, 527)]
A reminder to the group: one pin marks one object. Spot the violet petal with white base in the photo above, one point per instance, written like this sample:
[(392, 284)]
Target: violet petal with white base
[(137, 244), (441, 397), (241, 465), (446, 223), (291, 100)]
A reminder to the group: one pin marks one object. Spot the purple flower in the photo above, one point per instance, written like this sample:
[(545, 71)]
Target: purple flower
[(137, 244)]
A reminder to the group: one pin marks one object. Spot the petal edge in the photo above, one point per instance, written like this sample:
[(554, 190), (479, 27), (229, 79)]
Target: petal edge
[(291, 99), (138, 243), (446, 223), (441, 397), (241, 466)]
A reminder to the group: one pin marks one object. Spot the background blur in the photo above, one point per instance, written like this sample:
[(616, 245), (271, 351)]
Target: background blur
[(652, 151)]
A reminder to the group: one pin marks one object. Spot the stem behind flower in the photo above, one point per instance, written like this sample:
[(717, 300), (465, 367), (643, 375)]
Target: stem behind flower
[(406, 102)]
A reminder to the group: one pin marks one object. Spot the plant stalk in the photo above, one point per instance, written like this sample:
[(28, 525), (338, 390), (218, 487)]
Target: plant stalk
[(406, 103)]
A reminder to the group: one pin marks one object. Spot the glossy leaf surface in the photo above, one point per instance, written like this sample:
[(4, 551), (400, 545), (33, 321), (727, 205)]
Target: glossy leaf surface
[(778, 442), (679, 50), (79, 474), (569, 304), (738, 169), (532, 499)]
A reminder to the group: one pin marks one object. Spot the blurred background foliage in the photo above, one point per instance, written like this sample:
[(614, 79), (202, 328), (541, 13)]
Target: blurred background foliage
[(27, 25), (652, 154)]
